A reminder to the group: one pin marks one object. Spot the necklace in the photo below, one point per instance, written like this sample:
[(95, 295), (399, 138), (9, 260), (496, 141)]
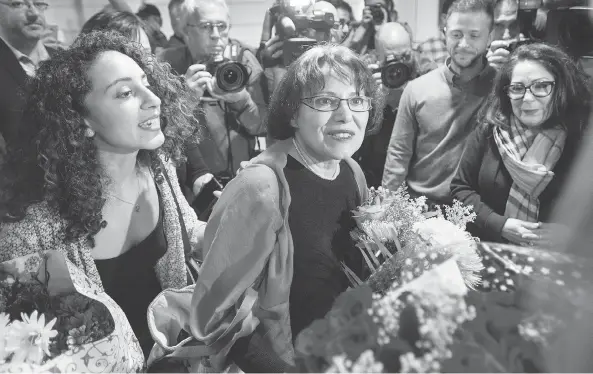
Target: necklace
[(308, 166), (135, 205)]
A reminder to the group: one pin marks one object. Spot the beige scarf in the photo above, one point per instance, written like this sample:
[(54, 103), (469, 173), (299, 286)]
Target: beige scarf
[(529, 156)]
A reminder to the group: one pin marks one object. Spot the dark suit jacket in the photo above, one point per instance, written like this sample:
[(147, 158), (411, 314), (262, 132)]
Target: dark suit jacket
[(12, 91)]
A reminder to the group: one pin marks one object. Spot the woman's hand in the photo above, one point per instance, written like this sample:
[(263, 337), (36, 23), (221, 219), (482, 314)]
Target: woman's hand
[(551, 236), (520, 232)]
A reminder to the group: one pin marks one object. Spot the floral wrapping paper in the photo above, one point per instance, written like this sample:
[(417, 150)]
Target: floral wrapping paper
[(117, 352), (533, 313)]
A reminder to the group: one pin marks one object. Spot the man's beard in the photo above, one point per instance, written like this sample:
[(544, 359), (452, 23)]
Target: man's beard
[(475, 61)]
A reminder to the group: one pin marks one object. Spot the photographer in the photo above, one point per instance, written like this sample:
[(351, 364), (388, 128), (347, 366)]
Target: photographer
[(506, 31), (272, 48), (231, 112), (394, 68), (376, 12)]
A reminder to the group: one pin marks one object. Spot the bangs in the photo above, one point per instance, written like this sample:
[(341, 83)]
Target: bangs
[(316, 64)]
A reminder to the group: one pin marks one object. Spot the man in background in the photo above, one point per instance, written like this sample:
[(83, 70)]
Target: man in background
[(175, 14), (231, 120), (437, 111), (22, 27), (151, 16), (393, 43)]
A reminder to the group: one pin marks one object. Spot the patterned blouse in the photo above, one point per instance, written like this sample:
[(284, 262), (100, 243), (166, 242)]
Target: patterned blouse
[(40, 231)]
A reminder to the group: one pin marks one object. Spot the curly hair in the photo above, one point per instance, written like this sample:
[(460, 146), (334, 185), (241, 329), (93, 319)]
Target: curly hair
[(52, 161), (306, 75), (571, 98)]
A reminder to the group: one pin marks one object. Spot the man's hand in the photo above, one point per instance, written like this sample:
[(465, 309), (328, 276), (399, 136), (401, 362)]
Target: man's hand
[(498, 54), (271, 52), (377, 75), (228, 97), (198, 79), (520, 232)]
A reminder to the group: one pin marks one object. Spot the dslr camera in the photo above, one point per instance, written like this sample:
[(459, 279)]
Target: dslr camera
[(396, 71), (569, 24), (378, 13), (231, 76), (291, 24)]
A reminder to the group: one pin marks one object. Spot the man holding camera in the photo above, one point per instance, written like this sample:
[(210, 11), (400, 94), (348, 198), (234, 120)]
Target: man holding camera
[(394, 67), (438, 110), (226, 79)]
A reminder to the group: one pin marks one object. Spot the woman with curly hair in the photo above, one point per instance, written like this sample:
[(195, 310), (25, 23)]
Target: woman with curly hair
[(193, 174), (90, 175)]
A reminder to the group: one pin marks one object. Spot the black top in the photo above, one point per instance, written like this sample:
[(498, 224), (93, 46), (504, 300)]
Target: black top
[(320, 221), (483, 182), (130, 280)]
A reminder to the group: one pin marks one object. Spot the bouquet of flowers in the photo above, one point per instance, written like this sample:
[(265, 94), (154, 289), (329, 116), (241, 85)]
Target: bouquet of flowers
[(407, 329), (392, 227), (534, 311), (53, 319)]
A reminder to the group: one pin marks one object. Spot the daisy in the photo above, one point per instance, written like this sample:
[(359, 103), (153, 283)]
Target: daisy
[(30, 338)]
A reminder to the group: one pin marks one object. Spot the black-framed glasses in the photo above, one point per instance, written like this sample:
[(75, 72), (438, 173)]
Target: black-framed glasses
[(23, 5), (517, 91), (209, 26), (329, 103)]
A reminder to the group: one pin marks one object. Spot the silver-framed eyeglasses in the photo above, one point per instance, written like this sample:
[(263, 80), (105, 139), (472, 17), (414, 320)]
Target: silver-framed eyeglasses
[(329, 103), (209, 26), (24, 5), (517, 91)]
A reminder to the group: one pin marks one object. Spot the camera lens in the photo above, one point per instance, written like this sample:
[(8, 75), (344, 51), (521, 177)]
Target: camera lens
[(231, 76), (377, 13), (395, 74)]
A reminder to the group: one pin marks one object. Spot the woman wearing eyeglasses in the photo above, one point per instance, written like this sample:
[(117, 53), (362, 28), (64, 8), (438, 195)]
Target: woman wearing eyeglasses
[(517, 161), (279, 234)]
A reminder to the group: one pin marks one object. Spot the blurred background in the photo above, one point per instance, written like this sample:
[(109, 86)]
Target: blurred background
[(247, 16)]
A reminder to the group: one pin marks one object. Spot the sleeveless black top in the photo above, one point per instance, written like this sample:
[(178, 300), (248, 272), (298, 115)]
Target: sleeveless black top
[(131, 281)]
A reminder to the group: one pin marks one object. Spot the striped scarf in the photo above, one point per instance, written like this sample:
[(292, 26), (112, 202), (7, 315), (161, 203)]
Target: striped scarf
[(529, 156)]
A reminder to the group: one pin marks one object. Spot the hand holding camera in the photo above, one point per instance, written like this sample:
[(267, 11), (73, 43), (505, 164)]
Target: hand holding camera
[(271, 52), (500, 51), (198, 79)]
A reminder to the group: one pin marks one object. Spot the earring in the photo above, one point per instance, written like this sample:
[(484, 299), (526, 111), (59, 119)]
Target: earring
[(89, 133)]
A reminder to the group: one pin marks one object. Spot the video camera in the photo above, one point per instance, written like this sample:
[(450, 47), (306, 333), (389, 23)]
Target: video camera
[(569, 24), (231, 76), (396, 71), (291, 24)]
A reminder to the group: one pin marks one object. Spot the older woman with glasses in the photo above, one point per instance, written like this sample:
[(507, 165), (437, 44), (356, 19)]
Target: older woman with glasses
[(279, 237), (517, 161)]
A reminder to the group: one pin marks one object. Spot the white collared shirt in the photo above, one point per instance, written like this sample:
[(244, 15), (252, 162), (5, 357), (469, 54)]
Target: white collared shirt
[(31, 62)]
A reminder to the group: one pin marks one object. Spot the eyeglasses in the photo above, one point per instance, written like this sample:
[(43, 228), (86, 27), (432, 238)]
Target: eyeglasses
[(209, 26), (327, 103), (22, 5), (517, 91)]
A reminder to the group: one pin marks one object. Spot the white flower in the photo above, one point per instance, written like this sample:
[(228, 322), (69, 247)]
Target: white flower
[(4, 329), (29, 339)]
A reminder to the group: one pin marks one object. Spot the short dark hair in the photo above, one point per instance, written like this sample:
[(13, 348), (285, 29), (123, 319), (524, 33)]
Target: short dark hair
[(571, 97), (472, 6), (344, 5), (445, 5), (306, 75), (174, 3), (148, 10), (125, 23)]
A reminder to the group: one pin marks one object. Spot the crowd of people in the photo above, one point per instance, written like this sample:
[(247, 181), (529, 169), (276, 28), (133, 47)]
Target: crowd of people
[(106, 145)]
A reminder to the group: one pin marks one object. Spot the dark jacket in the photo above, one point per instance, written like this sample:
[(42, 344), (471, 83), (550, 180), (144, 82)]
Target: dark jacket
[(13, 81), (483, 182)]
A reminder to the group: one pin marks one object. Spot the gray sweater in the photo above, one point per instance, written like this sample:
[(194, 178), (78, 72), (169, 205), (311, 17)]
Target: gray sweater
[(436, 114)]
